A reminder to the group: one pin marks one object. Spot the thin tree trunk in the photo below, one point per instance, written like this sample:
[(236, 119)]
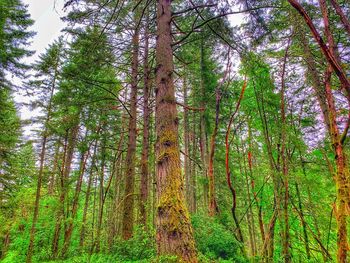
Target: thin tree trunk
[(128, 212), (144, 189), (203, 129), (41, 168), (53, 174), (325, 50), (87, 198), (250, 167), (174, 231), (187, 161), (72, 134), (306, 237), (228, 172), (101, 199), (342, 16), (213, 206), (286, 240), (249, 214), (69, 230)]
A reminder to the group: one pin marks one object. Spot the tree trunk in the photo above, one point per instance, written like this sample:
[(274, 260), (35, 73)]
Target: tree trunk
[(144, 189), (286, 239), (339, 71), (69, 230), (342, 175), (213, 206), (203, 129), (174, 231), (227, 166), (87, 198), (187, 163), (128, 212), (41, 168), (342, 16), (306, 237)]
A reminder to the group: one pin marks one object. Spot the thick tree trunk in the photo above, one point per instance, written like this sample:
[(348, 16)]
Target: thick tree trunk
[(128, 212), (174, 231)]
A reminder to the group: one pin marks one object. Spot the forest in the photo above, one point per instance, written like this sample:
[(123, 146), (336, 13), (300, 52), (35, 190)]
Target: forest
[(177, 131)]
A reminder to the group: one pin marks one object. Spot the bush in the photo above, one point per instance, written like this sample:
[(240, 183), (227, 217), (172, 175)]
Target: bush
[(214, 241), (140, 246)]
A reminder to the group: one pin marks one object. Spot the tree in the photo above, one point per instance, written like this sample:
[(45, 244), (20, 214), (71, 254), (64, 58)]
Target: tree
[(174, 231)]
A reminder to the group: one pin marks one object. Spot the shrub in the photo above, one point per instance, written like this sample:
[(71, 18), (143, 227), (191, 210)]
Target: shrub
[(214, 241)]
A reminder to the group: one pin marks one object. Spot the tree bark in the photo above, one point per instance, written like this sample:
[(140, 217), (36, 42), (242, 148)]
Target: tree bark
[(174, 231)]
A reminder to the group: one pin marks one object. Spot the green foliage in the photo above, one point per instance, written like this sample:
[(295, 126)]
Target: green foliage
[(214, 240), (14, 35), (140, 246)]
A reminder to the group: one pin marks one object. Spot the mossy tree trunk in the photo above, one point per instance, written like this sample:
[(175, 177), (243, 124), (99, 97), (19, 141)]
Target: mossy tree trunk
[(174, 231)]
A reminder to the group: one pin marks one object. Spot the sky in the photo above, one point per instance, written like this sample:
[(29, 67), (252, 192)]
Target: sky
[(46, 14), (48, 25)]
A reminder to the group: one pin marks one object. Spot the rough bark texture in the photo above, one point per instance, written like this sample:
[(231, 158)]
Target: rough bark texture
[(174, 232)]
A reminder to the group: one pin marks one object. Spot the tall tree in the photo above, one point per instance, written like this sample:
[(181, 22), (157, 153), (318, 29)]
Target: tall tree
[(174, 230)]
